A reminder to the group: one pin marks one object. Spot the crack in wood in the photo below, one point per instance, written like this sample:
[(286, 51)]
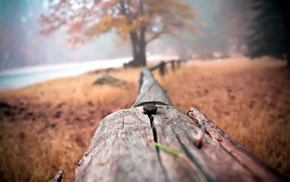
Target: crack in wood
[(155, 137), (151, 86), (255, 177), (151, 118), (245, 159), (192, 158)]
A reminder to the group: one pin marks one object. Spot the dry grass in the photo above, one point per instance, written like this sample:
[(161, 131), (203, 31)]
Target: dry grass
[(74, 90), (52, 122), (249, 100)]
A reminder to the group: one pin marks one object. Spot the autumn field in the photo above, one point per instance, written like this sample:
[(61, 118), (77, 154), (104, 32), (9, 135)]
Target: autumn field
[(48, 126)]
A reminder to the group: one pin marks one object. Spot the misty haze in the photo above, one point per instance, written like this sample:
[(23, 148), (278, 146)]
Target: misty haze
[(92, 90)]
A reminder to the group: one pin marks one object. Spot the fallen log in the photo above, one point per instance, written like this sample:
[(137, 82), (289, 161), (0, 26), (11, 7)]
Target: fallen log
[(154, 141), (150, 91)]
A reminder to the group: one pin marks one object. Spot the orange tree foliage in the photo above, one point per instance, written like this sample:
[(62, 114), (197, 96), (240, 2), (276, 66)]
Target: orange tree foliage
[(140, 21)]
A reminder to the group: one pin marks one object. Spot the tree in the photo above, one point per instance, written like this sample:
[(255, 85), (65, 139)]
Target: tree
[(268, 31), (286, 9), (140, 21)]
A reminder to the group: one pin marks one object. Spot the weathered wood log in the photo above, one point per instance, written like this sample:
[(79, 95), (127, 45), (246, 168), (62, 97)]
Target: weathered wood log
[(120, 149), (150, 91), (173, 65), (258, 170)]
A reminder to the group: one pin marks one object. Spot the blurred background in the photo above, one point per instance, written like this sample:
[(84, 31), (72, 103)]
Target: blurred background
[(54, 32), (236, 73), (23, 45), (222, 28)]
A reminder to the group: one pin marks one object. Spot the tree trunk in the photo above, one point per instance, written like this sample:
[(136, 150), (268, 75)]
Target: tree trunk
[(150, 91), (138, 50), (285, 9), (142, 54)]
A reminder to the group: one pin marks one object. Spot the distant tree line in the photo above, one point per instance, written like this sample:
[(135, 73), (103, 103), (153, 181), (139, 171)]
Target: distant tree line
[(270, 30)]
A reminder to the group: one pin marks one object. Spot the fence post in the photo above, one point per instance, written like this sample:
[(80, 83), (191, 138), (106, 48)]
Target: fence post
[(178, 64), (162, 68), (173, 65)]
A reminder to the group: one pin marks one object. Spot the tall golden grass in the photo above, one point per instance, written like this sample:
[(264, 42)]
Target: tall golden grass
[(52, 122)]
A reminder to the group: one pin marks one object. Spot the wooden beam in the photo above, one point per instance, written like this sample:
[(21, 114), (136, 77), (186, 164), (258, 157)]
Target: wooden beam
[(256, 168), (150, 91), (200, 151), (120, 151)]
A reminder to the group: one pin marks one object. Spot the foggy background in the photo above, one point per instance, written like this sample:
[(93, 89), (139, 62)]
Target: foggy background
[(222, 27), (21, 44)]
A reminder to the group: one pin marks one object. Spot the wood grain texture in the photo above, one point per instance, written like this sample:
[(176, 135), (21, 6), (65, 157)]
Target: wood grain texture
[(257, 169), (120, 151), (150, 91), (178, 132)]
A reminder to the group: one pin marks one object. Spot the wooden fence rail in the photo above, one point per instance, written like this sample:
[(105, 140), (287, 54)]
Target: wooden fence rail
[(154, 141)]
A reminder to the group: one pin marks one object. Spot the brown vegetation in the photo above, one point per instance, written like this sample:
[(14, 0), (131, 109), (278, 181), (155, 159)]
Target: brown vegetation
[(48, 126)]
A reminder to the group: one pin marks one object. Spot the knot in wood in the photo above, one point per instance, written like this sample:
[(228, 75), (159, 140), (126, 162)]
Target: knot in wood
[(150, 109)]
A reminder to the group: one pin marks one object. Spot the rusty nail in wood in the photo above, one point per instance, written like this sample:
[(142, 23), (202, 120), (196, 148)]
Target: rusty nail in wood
[(199, 138), (150, 109)]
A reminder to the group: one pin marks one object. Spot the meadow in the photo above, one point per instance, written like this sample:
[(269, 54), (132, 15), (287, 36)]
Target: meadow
[(48, 126)]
